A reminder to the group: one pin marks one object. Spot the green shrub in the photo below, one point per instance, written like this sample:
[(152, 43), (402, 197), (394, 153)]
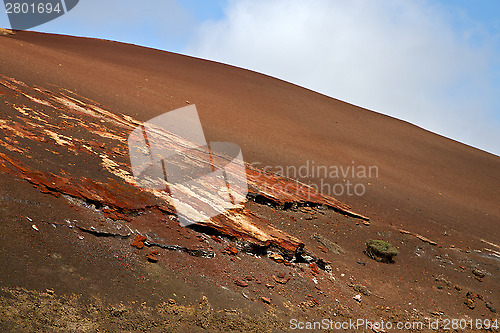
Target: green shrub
[(380, 250)]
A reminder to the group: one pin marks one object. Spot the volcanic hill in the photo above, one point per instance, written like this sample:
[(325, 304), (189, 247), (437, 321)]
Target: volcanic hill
[(83, 248)]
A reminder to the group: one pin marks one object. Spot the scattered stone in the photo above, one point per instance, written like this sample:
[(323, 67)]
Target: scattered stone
[(172, 301), (441, 279), (377, 330), (479, 273), (216, 238), (281, 280), (307, 258), (426, 240), (240, 283), (265, 299), (489, 305), (357, 298), (422, 238), (322, 249), (232, 250), (35, 227), (6, 32), (309, 303), (380, 251), (204, 302), (117, 312), (361, 289), (276, 257), (314, 268), (306, 209), (327, 268), (469, 300), (117, 151), (457, 287), (152, 258), (328, 244), (139, 241), (470, 303), (269, 286), (361, 263)]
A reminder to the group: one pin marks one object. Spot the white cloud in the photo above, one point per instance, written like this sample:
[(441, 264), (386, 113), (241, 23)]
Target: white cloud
[(401, 58)]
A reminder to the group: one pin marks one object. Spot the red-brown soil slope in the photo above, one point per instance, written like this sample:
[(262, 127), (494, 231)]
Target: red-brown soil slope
[(62, 97)]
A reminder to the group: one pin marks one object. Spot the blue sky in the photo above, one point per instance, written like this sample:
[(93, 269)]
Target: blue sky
[(434, 63)]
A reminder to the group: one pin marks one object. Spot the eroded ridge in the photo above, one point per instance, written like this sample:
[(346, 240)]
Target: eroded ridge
[(66, 144)]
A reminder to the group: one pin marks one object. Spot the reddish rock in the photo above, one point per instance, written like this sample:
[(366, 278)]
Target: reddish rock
[(115, 215), (216, 238), (232, 250), (45, 190), (281, 280), (240, 283), (314, 268), (276, 257), (470, 303), (265, 299), (152, 258), (139, 241)]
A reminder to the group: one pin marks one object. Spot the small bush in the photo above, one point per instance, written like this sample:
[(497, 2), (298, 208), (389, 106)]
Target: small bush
[(380, 251)]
